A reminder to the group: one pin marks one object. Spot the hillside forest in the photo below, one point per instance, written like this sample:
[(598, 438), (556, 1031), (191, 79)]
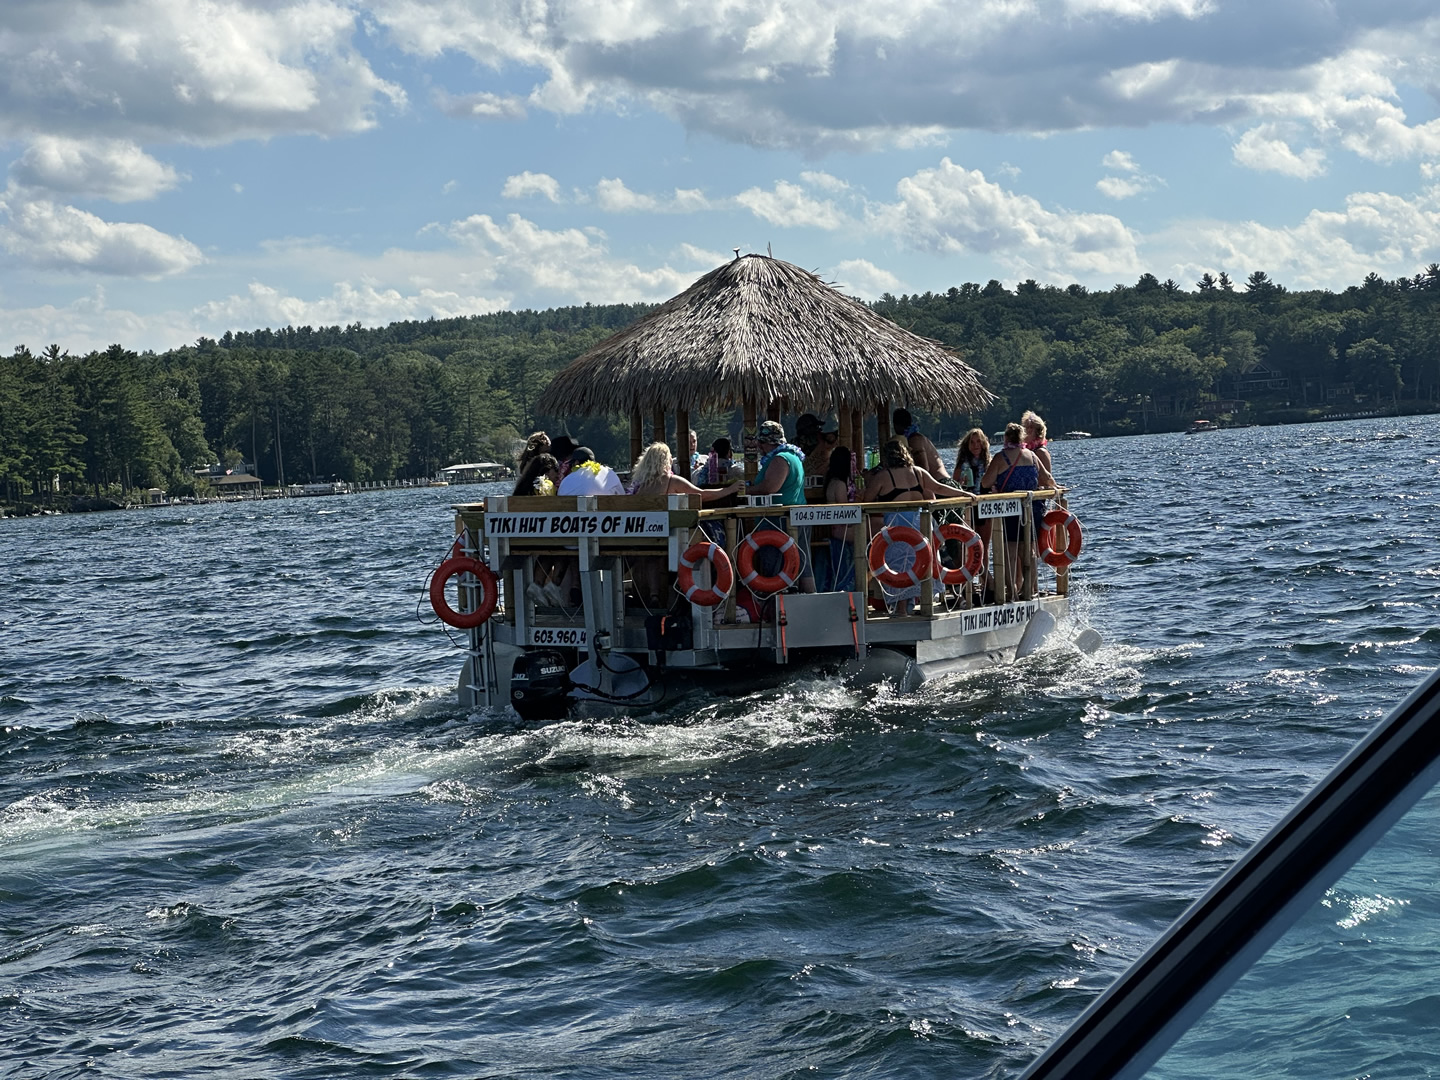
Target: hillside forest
[(403, 401)]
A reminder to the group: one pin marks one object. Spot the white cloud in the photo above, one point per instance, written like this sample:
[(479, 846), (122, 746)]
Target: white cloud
[(574, 264), (862, 278), (614, 197), (824, 181), (1388, 234), (1120, 161), (789, 205), (527, 184), (952, 210), (481, 106), (1134, 180), (1120, 187), (89, 323), (817, 74), (264, 305), (829, 74), (50, 235), (113, 169), (1258, 149), (200, 70)]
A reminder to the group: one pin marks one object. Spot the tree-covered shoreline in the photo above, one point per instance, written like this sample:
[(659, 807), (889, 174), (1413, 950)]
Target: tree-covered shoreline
[(402, 401)]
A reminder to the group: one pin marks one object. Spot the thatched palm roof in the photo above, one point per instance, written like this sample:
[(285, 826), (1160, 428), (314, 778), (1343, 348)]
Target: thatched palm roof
[(761, 329)]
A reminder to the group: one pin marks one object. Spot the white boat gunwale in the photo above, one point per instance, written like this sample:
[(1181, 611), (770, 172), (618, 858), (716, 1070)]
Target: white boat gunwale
[(937, 639)]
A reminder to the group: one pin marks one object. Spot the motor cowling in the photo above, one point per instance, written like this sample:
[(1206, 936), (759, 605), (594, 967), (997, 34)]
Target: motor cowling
[(540, 684)]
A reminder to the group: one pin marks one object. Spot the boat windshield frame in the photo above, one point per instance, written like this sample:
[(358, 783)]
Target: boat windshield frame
[(1168, 989)]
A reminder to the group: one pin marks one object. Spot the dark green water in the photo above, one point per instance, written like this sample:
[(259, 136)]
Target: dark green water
[(246, 831)]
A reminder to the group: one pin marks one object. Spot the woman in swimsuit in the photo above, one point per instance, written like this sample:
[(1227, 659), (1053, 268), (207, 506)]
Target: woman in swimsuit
[(900, 479), (1015, 469)]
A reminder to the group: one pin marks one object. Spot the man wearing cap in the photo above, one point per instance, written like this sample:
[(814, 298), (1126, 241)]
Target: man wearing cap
[(782, 466), (588, 477), (782, 474)]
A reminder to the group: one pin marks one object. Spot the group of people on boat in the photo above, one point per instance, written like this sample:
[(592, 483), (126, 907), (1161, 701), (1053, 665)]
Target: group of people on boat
[(812, 469)]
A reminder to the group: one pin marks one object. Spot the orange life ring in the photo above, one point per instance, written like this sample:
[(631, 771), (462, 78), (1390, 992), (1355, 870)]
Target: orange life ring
[(972, 554), (1074, 538), (781, 542), (721, 574), (900, 534), (489, 592)]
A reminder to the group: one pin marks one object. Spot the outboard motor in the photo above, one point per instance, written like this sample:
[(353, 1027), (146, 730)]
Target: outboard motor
[(540, 685)]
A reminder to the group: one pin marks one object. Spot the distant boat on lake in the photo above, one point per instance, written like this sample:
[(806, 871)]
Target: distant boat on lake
[(328, 487), (1198, 426)]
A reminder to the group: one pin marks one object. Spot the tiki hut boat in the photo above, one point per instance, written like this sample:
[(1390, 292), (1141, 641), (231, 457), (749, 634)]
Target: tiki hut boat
[(771, 340)]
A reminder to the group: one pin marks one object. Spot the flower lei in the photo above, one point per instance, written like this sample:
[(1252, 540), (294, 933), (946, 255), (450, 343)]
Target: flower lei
[(592, 467)]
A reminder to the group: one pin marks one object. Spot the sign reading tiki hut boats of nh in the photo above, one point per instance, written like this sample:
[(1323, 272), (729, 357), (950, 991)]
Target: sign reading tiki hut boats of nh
[(772, 544)]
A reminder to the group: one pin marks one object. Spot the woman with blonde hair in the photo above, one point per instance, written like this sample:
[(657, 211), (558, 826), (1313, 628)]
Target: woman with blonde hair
[(1035, 441), (652, 476)]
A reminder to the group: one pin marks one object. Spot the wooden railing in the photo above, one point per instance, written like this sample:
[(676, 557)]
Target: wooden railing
[(684, 521)]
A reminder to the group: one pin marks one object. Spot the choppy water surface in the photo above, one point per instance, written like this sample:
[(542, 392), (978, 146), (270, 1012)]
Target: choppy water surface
[(247, 831)]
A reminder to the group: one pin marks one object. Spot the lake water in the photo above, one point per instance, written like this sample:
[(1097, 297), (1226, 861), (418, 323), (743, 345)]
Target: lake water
[(245, 829)]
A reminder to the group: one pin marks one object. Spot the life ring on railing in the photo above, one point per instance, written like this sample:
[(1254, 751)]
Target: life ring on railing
[(900, 534), (1074, 538), (789, 570), (721, 574), (489, 592), (972, 554)]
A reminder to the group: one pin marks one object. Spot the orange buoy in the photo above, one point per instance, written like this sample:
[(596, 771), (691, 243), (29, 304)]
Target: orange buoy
[(489, 592), (789, 571), (900, 534), (721, 574), (1060, 554), (972, 554)]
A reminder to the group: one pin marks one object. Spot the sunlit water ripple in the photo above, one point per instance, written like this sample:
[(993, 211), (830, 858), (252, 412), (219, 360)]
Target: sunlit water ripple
[(246, 830)]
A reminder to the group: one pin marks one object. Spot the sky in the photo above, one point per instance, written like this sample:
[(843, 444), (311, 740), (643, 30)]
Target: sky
[(179, 168)]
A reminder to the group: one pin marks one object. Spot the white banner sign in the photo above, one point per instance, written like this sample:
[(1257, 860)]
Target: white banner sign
[(984, 620), (825, 515), (516, 526), (573, 636), (998, 508)]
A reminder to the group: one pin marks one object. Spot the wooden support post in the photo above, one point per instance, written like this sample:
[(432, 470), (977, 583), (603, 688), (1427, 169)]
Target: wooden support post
[(657, 424), (1001, 561), (857, 428), (637, 436), (927, 587), (682, 442), (772, 411), (842, 430), (732, 541), (751, 421), (1029, 584), (1062, 572), (882, 424), (860, 547)]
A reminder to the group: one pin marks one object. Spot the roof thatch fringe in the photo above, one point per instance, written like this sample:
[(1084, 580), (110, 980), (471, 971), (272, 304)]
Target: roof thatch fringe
[(761, 329)]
